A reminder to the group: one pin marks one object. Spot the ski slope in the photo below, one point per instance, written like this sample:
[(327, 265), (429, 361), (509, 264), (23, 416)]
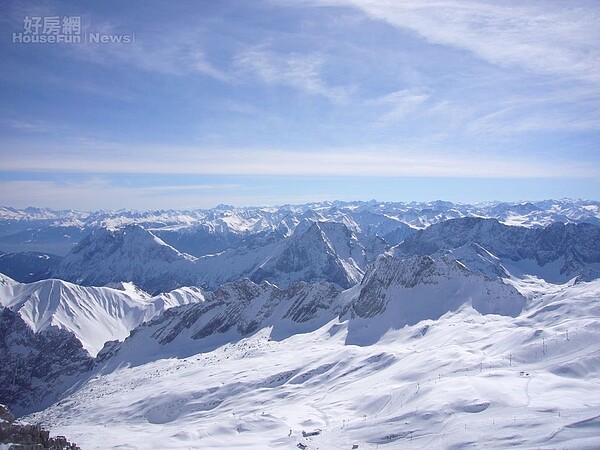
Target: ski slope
[(465, 380)]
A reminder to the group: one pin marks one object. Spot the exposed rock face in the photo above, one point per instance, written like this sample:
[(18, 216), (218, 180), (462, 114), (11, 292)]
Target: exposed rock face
[(477, 259), (6, 415), (34, 365), (245, 307), (231, 312), (325, 251), (24, 436), (577, 244), (398, 292), (131, 254), (309, 301), (390, 272), (421, 288)]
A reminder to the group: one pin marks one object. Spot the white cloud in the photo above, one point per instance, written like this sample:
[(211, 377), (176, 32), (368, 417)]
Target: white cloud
[(399, 104), (178, 53), (28, 125), (103, 194), (560, 110), (556, 38), (411, 161), (513, 120), (299, 71)]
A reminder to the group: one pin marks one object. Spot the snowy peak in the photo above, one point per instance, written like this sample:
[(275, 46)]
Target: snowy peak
[(573, 248), (35, 365), (231, 312), (127, 241), (94, 315), (398, 292), (6, 280), (477, 259), (324, 252), (371, 218), (227, 229), (127, 254)]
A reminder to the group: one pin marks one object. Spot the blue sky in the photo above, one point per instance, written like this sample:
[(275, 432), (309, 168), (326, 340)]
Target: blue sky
[(270, 102)]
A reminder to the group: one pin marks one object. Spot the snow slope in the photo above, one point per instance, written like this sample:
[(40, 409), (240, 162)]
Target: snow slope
[(557, 252), (231, 312), (36, 366), (94, 315), (202, 232), (326, 251), (465, 380), (400, 292), (394, 293), (6, 280), (131, 254), (455, 339)]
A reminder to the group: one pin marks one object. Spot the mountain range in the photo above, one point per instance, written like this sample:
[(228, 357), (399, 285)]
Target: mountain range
[(329, 325), (204, 232)]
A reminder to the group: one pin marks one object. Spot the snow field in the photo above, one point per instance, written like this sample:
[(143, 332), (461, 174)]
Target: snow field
[(462, 381)]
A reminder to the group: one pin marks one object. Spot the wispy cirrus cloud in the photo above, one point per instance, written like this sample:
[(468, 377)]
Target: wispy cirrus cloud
[(559, 109), (550, 46), (383, 89), (27, 125), (411, 160), (512, 120), (300, 71), (556, 38), (176, 55), (399, 104), (105, 194)]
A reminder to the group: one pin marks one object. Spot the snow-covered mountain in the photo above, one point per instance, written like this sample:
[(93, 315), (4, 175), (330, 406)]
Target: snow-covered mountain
[(326, 251), (51, 329), (557, 252), (35, 366), (94, 315), (226, 315), (398, 292), (28, 266), (202, 232), (463, 380), (300, 326), (394, 293), (130, 254)]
